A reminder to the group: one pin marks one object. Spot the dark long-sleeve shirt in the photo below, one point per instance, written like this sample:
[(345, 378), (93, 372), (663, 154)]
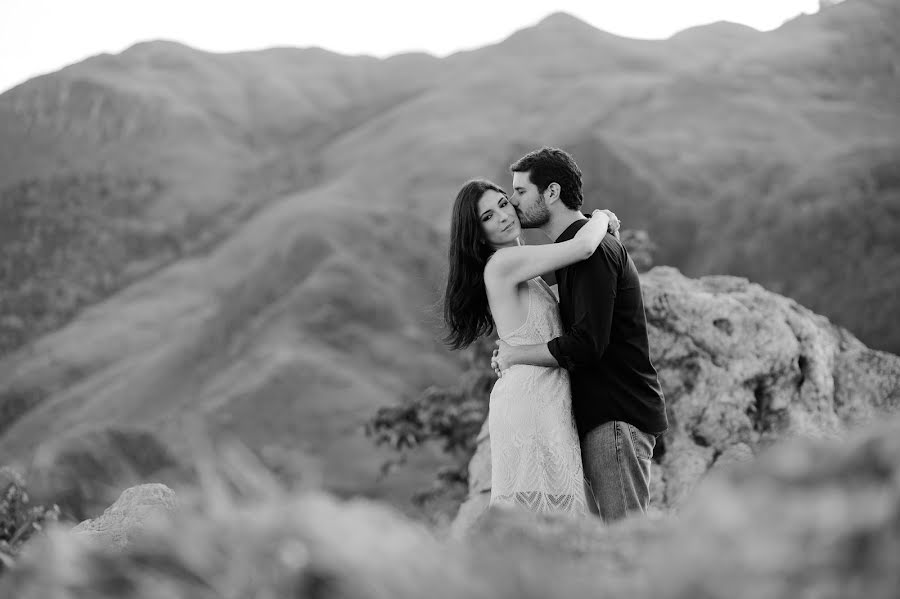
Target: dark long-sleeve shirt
[(605, 346)]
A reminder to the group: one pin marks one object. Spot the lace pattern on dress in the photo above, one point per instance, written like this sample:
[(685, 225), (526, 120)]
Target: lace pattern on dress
[(535, 452)]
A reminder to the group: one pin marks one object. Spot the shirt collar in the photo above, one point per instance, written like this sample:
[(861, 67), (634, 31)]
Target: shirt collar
[(570, 231)]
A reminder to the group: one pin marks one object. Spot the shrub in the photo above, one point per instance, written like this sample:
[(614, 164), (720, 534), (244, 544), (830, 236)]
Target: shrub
[(451, 416), (18, 520)]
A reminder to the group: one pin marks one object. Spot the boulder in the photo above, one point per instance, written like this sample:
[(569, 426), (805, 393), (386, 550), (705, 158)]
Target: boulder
[(123, 521), (741, 368), (479, 486)]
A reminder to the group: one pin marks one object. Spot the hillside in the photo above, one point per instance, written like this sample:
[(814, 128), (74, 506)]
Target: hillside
[(185, 144), (830, 239), (285, 337)]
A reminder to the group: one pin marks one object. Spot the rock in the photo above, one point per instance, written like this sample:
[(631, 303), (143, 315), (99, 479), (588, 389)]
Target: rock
[(129, 515), (736, 454), (741, 368), (479, 486)]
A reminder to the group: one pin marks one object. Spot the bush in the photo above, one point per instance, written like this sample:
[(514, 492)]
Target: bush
[(18, 520), (640, 247), (451, 416)]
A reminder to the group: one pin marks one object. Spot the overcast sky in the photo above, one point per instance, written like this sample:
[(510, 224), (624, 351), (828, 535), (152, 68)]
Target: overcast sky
[(38, 36)]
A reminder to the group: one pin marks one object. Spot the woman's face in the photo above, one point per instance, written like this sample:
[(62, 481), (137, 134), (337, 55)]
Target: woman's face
[(498, 218)]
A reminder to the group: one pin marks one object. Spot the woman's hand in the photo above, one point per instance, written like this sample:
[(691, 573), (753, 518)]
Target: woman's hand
[(614, 223), (593, 232)]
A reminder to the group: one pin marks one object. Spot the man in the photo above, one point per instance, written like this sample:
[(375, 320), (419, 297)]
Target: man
[(617, 400)]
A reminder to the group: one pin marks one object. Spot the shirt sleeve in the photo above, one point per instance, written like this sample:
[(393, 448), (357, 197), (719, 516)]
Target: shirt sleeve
[(593, 297)]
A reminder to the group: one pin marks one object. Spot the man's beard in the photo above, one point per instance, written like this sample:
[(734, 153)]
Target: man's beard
[(536, 216)]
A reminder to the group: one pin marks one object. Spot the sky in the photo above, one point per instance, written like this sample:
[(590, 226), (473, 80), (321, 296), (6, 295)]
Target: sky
[(40, 36)]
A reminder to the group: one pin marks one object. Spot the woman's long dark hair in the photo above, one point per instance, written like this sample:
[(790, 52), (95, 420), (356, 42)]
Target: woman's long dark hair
[(466, 311)]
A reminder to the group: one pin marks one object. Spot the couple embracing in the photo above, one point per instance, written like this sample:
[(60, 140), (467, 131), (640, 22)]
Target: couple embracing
[(577, 407)]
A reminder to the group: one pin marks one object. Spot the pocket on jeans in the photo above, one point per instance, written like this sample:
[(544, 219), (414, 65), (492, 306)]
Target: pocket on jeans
[(643, 442)]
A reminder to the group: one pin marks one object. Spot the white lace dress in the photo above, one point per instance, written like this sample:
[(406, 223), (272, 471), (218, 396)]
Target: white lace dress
[(535, 453)]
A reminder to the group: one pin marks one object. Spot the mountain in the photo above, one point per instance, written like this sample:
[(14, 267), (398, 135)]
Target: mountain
[(185, 144), (258, 238)]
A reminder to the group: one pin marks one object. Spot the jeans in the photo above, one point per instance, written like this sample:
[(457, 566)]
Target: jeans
[(616, 457)]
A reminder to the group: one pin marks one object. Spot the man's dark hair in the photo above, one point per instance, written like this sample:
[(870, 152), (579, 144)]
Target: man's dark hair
[(552, 165)]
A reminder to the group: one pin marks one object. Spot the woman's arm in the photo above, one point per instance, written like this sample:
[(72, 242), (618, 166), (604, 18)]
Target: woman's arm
[(510, 266)]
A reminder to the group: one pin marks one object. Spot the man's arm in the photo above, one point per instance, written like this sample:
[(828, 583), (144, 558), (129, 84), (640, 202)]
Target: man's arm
[(507, 355), (593, 297)]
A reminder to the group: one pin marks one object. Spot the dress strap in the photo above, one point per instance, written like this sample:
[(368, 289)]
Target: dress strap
[(546, 288)]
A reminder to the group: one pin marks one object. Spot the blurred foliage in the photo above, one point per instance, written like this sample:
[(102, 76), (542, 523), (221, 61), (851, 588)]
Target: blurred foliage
[(451, 416), (19, 520), (791, 526), (640, 247), (241, 534)]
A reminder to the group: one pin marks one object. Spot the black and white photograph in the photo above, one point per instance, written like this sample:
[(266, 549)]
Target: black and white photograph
[(479, 299)]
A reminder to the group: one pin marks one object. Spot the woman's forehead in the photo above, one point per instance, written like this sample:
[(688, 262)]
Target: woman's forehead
[(489, 199)]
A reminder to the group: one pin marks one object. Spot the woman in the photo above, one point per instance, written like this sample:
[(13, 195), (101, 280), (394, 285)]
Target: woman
[(494, 282)]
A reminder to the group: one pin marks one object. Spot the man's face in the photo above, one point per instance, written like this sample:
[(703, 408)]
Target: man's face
[(529, 203)]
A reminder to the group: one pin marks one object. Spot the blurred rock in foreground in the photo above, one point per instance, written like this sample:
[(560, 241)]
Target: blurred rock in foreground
[(128, 516)]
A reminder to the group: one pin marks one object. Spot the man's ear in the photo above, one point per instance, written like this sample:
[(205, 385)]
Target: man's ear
[(551, 194)]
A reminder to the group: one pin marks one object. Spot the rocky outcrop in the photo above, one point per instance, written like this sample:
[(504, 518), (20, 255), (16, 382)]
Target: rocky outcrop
[(741, 368), (124, 520), (479, 486)]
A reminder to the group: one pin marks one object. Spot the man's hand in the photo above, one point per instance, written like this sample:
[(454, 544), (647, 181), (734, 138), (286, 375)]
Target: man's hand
[(507, 355), (500, 359)]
